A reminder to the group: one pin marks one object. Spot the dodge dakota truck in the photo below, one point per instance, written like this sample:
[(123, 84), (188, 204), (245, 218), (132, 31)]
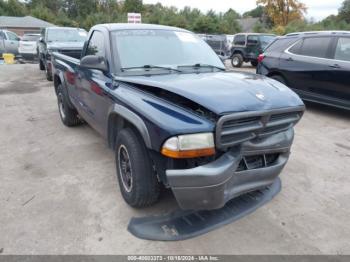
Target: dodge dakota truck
[(175, 117)]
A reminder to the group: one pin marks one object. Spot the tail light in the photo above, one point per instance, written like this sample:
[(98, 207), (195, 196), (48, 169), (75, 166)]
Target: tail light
[(261, 57)]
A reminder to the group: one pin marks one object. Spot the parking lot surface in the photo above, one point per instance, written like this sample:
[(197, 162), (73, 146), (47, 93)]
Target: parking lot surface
[(59, 193)]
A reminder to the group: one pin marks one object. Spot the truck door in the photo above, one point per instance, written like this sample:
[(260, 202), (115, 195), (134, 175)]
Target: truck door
[(94, 87), (304, 65), (252, 47), (338, 88), (12, 43)]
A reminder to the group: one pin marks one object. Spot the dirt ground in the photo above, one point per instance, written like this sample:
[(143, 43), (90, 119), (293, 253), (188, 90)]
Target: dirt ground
[(59, 193)]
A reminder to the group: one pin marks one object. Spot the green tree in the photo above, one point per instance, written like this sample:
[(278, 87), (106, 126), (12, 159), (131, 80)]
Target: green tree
[(133, 6), (43, 13), (13, 8), (344, 11), (282, 12), (256, 12)]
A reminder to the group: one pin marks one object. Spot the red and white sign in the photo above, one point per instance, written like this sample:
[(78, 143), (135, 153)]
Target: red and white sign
[(134, 18)]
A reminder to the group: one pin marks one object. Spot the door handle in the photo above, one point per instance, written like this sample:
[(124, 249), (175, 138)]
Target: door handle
[(289, 59), (335, 66)]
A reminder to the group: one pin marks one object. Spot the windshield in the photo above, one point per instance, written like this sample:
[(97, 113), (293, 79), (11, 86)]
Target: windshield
[(166, 48), (66, 35), (30, 37), (265, 40)]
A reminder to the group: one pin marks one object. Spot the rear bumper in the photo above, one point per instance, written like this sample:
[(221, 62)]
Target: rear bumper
[(28, 52), (212, 185)]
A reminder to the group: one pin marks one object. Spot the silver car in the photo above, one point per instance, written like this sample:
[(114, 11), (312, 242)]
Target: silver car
[(9, 42)]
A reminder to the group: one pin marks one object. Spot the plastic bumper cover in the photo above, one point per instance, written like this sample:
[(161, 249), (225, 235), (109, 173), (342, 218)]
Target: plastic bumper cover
[(212, 185)]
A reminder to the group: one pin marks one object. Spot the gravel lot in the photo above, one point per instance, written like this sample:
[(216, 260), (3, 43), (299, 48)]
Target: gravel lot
[(59, 193)]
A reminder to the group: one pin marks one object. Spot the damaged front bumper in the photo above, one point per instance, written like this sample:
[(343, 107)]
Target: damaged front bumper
[(248, 167)]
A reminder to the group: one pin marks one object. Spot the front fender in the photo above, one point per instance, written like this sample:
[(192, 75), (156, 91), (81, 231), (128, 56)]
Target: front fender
[(157, 119)]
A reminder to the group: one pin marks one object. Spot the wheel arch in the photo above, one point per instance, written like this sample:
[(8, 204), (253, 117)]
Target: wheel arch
[(277, 73), (121, 117), (56, 82), (236, 51)]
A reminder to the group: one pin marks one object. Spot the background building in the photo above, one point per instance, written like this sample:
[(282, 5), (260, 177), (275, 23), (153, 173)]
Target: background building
[(22, 25)]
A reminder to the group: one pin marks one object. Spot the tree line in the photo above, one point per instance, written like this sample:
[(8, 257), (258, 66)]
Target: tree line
[(277, 16)]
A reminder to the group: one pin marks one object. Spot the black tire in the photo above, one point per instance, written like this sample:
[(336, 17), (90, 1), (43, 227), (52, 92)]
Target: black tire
[(48, 74), (138, 183), (69, 116), (41, 65), (236, 60), (279, 79), (254, 63)]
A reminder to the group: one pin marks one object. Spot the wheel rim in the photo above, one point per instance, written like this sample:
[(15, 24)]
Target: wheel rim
[(125, 169), (61, 106), (235, 61)]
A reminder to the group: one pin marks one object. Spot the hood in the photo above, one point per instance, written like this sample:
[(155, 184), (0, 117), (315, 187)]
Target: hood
[(224, 92), (65, 45)]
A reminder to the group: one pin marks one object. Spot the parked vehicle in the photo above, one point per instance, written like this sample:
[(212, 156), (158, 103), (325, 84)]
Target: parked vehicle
[(219, 43), (163, 100), (247, 47), (28, 47), (66, 40), (9, 42), (316, 65)]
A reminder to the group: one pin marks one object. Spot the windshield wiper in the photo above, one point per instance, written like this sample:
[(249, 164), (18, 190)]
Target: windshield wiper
[(199, 65), (150, 67)]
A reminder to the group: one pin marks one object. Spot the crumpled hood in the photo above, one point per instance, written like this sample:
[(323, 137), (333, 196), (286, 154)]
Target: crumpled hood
[(65, 45), (224, 92)]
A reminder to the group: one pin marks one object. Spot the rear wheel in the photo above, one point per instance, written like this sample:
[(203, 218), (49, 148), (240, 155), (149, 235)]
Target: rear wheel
[(68, 115), (138, 182), (279, 79), (48, 74), (237, 60)]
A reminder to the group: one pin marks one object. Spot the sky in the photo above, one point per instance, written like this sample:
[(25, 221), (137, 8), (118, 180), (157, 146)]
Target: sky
[(317, 9)]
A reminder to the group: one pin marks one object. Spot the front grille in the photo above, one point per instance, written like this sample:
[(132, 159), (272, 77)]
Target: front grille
[(236, 128), (257, 161)]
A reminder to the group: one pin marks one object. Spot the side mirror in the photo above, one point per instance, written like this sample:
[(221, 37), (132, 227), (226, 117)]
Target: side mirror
[(41, 39), (94, 62)]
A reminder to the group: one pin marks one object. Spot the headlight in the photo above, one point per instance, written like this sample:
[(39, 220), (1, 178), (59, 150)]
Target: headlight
[(189, 146)]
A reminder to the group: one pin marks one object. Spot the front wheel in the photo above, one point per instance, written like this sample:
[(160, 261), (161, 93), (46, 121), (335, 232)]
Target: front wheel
[(138, 182)]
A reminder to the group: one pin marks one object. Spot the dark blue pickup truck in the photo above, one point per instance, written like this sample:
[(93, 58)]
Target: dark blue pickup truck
[(174, 116)]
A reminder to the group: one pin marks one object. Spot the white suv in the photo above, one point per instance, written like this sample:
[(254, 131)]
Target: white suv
[(28, 47)]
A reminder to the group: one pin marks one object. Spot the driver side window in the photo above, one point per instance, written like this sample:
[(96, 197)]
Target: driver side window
[(96, 45), (12, 36)]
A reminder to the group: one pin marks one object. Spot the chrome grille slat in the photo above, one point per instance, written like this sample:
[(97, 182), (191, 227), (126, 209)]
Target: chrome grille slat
[(236, 128)]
